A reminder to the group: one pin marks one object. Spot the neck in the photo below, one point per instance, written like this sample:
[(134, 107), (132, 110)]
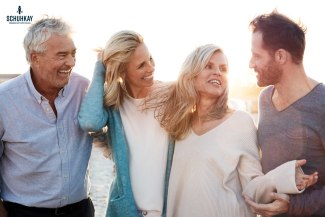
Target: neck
[(201, 124), (138, 93), (293, 85), (203, 107), (48, 92)]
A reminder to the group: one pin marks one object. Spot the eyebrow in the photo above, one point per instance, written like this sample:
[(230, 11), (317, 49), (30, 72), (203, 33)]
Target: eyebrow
[(141, 64), (66, 52)]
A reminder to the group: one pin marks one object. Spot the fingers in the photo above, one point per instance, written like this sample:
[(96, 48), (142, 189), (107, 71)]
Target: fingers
[(265, 210), (279, 206), (306, 181), (301, 162), (280, 197), (302, 180), (256, 207), (300, 177), (301, 186), (311, 179), (248, 200), (100, 55)]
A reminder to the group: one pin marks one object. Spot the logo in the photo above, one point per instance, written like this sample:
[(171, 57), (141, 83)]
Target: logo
[(19, 10), (19, 19)]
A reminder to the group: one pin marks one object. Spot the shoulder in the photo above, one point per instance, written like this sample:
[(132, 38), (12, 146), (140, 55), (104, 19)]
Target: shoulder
[(11, 84), (244, 130), (316, 96), (267, 91), (76, 78), (316, 99), (320, 89), (243, 116), (243, 121)]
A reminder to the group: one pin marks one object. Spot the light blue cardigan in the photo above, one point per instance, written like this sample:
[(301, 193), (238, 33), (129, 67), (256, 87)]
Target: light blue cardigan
[(93, 116)]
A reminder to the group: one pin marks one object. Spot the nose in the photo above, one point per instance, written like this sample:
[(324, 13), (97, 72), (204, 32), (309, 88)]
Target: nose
[(217, 71), (71, 60), (151, 67)]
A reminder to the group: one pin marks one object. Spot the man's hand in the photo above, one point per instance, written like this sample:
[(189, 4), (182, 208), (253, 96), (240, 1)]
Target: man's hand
[(3, 212), (302, 180), (278, 206)]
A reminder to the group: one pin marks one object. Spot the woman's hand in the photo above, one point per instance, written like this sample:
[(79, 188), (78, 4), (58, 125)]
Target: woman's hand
[(302, 180), (100, 54)]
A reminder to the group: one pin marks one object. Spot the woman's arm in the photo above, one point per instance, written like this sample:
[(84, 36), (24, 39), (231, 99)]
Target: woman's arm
[(281, 180), (93, 115), (254, 183)]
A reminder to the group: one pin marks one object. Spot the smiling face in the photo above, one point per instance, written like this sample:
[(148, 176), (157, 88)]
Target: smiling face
[(212, 81), (140, 69), (51, 70), (268, 72)]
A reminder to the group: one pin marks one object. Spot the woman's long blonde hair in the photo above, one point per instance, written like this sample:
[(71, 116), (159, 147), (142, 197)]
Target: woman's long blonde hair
[(178, 101), (116, 55)]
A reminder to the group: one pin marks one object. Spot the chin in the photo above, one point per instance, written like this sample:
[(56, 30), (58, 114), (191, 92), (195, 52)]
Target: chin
[(62, 84), (150, 83), (262, 84)]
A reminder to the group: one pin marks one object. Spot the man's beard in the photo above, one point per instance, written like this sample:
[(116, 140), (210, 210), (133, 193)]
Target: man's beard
[(269, 75)]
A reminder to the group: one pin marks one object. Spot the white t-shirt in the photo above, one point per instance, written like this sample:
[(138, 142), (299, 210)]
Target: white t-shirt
[(148, 146)]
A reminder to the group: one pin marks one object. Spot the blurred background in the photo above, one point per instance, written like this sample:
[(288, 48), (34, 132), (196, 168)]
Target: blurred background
[(171, 29)]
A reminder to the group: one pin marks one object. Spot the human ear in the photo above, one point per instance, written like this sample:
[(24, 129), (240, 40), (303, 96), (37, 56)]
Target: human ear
[(281, 56), (34, 58)]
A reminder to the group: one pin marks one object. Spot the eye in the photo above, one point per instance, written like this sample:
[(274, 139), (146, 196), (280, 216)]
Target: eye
[(209, 66), (62, 56), (223, 68), (141, 65)]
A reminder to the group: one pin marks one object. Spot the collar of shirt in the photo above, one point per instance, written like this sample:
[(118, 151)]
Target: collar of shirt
[(36, 94)]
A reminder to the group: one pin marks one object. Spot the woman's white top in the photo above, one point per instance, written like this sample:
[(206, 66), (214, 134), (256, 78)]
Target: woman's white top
[(210, 172), (148, 146)]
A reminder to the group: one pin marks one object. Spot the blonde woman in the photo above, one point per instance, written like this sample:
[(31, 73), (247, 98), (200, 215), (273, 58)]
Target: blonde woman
[(139, 145), (216, 156)]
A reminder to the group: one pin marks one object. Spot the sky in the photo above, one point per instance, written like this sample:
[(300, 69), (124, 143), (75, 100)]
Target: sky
[(171, 30)]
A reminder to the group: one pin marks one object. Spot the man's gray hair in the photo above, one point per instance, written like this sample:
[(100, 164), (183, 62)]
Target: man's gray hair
[(40, 31)]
